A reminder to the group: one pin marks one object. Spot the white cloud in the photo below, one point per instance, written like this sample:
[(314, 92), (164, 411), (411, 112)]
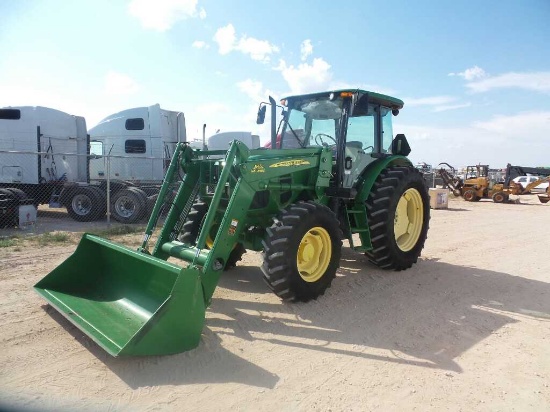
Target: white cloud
[(119, 84), (225, 37), (211, 108), (529, 125), (539, 82), (439, 103), (253, 89), (445, 108), (471, 73), (199, 44), (430, 101), (259, 50), (161, 15), (305, 77), (306, 49), (518, 139)]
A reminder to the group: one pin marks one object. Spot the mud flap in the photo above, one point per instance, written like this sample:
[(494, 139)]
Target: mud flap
[(128, 302)]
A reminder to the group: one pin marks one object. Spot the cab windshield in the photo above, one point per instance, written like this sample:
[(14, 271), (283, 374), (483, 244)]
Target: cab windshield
[(313, 122), (317, 122)]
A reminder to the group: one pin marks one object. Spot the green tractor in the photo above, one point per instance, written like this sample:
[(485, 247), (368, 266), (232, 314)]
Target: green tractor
[(333, 170)]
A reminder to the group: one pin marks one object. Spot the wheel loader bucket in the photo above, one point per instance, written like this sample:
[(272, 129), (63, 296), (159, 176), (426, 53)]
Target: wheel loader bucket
[(128, 302), (544, 198)]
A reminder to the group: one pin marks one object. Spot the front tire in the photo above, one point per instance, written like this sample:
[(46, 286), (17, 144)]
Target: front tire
[(398, 214), (302, 251), (500, 197), (192, 226), (470, 196)]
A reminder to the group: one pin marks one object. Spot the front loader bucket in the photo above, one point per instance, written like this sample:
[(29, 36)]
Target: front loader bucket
[(128, 302), (544, 198)]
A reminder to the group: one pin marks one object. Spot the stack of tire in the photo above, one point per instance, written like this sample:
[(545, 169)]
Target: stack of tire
[(10, 200)]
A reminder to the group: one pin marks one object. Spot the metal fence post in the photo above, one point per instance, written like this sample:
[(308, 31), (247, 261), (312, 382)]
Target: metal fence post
[(108, 190)]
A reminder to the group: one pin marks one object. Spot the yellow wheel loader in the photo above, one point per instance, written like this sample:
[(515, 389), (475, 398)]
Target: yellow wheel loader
[(477, 185)]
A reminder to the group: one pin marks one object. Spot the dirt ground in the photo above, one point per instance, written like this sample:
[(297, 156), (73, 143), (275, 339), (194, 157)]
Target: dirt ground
[(467, 328)]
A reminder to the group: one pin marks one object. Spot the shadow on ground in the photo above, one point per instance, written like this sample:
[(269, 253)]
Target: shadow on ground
[(426, 316)]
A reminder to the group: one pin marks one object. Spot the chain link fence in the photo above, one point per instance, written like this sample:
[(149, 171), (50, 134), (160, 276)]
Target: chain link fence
[(68, 187)]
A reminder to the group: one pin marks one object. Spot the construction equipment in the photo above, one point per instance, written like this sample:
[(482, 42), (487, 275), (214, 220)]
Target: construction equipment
[(447, 174), (478, 185), (347, 177)]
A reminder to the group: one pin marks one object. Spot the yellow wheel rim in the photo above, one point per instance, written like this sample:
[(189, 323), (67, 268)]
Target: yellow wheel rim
[(409, 219), (314, 253), (209, 242)]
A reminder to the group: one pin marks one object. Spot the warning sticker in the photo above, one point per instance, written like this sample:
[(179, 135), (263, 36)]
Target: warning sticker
[(233, 227)]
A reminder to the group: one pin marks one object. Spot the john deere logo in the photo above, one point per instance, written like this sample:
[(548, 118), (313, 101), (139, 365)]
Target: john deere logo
[(287, 163), (258, 168)]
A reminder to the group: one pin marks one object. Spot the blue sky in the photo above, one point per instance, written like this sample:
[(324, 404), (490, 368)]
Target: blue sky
[(474, 75)]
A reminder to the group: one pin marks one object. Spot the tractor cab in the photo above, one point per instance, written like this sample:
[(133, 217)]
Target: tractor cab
[(355, 124), (477, 171)]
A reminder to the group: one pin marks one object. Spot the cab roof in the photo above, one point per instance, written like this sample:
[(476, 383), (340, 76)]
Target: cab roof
[(374, 97)]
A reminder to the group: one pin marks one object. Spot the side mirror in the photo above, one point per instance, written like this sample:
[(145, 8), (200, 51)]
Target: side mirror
[(400, 146), (261, 114), (395, 112)]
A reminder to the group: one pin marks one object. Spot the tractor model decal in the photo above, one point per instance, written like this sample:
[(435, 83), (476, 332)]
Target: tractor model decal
[(287, 163), (258, 168)]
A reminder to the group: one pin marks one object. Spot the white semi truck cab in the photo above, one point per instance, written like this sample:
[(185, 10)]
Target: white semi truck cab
[(140, 142)]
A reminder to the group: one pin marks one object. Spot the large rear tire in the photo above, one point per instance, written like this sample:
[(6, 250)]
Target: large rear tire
[(398, 215), (302, 251), (191, 228)]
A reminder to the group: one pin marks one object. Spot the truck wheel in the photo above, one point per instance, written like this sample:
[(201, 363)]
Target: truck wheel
[(398, 215), (18, 193), (85, 204), (129, 205), (302, 251), (470, 196), (500, 197), (192, 226), (143, 197)]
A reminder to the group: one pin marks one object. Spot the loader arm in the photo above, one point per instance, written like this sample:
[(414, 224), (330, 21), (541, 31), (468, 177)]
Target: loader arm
[(252, 172), (534, 184)]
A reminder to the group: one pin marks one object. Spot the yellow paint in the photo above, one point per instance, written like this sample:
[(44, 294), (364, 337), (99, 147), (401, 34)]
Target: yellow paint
[(287, 163), (258, 168), (314, 253)]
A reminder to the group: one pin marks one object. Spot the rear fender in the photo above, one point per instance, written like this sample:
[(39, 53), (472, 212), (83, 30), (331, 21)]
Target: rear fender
[(364, 187), (371, 173)]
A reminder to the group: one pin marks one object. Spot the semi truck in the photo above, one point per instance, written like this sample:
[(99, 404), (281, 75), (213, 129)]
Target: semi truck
[(49, 157)]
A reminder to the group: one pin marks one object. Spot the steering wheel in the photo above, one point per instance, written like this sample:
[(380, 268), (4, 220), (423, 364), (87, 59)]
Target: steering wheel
[(319, 138)]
